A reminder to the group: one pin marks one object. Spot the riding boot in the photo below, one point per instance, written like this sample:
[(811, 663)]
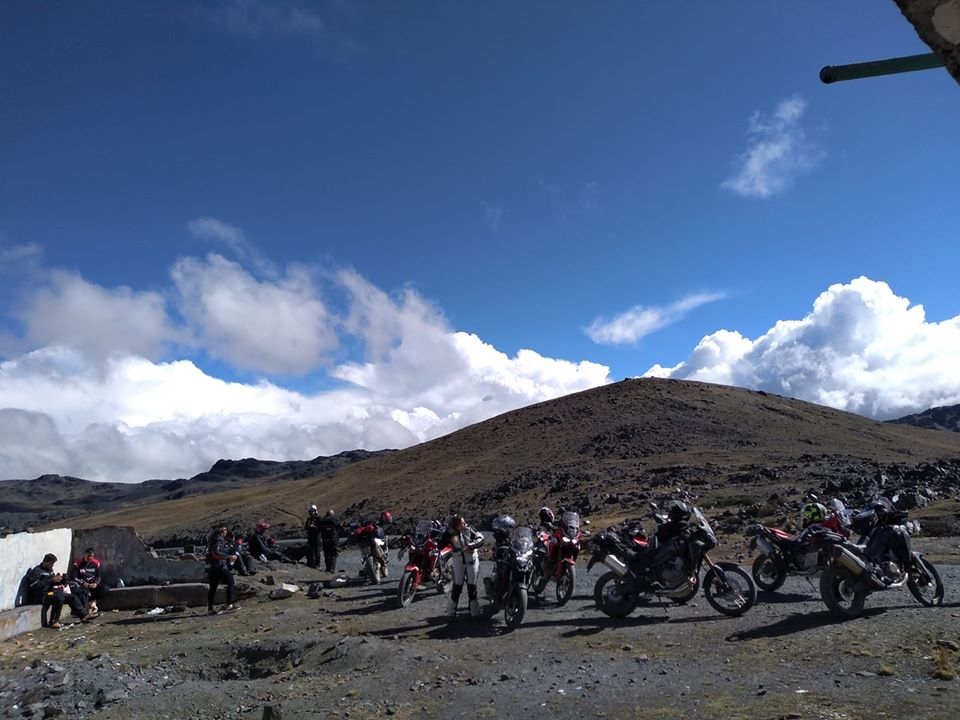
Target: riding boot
[(453, 600), (474, 603)]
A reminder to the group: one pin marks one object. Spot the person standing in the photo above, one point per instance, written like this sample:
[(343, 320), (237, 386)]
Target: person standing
[(329, 526), (219, 560), (465, 542), (312, 526)]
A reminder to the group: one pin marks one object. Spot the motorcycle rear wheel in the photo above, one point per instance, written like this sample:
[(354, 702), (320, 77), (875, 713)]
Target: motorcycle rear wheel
[(769, 574), (927, 590), (730, 590), (515, 607), (566, 584), (843, 595), (406, 589), (609, 598)]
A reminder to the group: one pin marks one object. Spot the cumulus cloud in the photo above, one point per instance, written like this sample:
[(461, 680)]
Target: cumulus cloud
[(861, 348), (777, 152), (640, 321), (274, 327), (67, 309), (122, 416)]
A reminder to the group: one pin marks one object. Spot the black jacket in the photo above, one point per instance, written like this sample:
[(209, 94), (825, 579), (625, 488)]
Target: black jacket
[(329, 527), (218, 552), (39, 583)]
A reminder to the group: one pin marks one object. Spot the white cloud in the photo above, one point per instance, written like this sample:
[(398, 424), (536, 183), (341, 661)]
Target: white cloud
[(17, 253), (861, 348), (256, 18), (209, 228), (69, 310), (777, 152), (639, 321), (120, 416), (274, 327)]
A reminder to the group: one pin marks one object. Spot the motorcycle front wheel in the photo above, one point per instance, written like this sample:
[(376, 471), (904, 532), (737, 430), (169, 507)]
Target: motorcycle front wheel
[(373, 570), (730, 590), (406, 589), (925, 584), (769, 574), (515, 607), (565, 585), (611, 599), (841, 592)]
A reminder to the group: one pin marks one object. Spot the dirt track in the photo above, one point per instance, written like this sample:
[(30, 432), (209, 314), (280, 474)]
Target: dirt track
[(354, 653)]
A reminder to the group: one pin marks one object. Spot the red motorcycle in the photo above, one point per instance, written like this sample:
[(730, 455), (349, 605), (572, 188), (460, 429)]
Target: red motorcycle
[(427, 561), (373, 551), (555, 557)]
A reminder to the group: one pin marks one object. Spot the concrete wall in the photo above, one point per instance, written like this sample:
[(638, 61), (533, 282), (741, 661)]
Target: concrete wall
[(22, 551), (124, 555)]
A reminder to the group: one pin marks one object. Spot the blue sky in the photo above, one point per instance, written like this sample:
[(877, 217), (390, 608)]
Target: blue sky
[(603, 183)]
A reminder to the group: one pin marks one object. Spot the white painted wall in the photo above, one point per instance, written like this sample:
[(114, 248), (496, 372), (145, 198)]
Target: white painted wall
[(22, 551)]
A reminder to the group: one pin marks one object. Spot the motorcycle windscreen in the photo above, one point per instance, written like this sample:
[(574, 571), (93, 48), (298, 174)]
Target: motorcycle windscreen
[(522, 540), (704, 524), (570, 522), (424, 528)]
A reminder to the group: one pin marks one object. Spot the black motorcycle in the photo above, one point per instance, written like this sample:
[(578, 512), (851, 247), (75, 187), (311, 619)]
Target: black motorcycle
[(669, 567), (513, 564), (885, 561)]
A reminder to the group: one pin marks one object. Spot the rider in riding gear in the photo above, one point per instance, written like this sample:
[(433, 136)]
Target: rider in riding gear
[(466, 563)]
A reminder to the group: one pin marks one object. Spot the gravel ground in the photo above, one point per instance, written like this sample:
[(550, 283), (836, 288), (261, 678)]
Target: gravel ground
[(354, 653)]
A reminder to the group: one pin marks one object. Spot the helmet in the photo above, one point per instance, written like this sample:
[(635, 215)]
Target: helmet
[(813, 513), (677, 511), (262, 525), (546, 515), (503, 523), (312, 509), (386, 517), (882, 506), (330, 513)]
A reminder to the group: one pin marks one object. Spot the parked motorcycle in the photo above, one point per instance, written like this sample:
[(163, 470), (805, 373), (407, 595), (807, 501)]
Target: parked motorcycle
[(886, 561), (806, 554), (670, 567), (373, 552), (513, 564), (555, 557), (427, 562)]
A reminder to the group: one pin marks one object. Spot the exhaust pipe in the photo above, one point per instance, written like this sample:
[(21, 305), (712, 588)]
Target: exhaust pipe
[(615, 564), (850, 561), (765, 546)]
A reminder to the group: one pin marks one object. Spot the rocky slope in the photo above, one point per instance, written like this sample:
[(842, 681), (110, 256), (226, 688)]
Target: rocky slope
[(608, 451), (55, 498), (946, 417)]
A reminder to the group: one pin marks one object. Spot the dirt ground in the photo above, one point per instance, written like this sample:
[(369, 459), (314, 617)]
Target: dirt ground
[(353, 653)]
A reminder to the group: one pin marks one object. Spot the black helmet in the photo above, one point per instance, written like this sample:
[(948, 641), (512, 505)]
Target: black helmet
[(677, 511), (503, 523), (546, 515)]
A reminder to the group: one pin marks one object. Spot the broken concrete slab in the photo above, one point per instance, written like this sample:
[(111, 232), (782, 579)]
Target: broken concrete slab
[(18, 621), (123, 554)]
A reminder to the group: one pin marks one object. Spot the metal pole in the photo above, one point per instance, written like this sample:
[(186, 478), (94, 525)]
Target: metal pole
[(910, 63)]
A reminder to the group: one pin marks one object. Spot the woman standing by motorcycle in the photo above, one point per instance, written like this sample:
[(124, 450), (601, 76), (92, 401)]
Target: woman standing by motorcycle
[(466, 563)]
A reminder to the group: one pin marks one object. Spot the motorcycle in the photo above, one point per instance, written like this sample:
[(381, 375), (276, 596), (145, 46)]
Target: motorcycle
[(807, 554), (427, 562), (513, 564), (670, 567), (373, 552), (555, 557), (886, 561)]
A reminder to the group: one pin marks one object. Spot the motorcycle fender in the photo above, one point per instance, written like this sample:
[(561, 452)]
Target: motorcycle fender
[(413, 568), (569, 561)]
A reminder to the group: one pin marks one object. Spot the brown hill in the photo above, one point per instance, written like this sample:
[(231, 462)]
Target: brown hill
[(607, 450)]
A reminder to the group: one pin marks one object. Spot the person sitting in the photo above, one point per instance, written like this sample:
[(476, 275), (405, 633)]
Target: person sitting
[(86, 582), (244, 564), (265, 548), (46, 588)]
